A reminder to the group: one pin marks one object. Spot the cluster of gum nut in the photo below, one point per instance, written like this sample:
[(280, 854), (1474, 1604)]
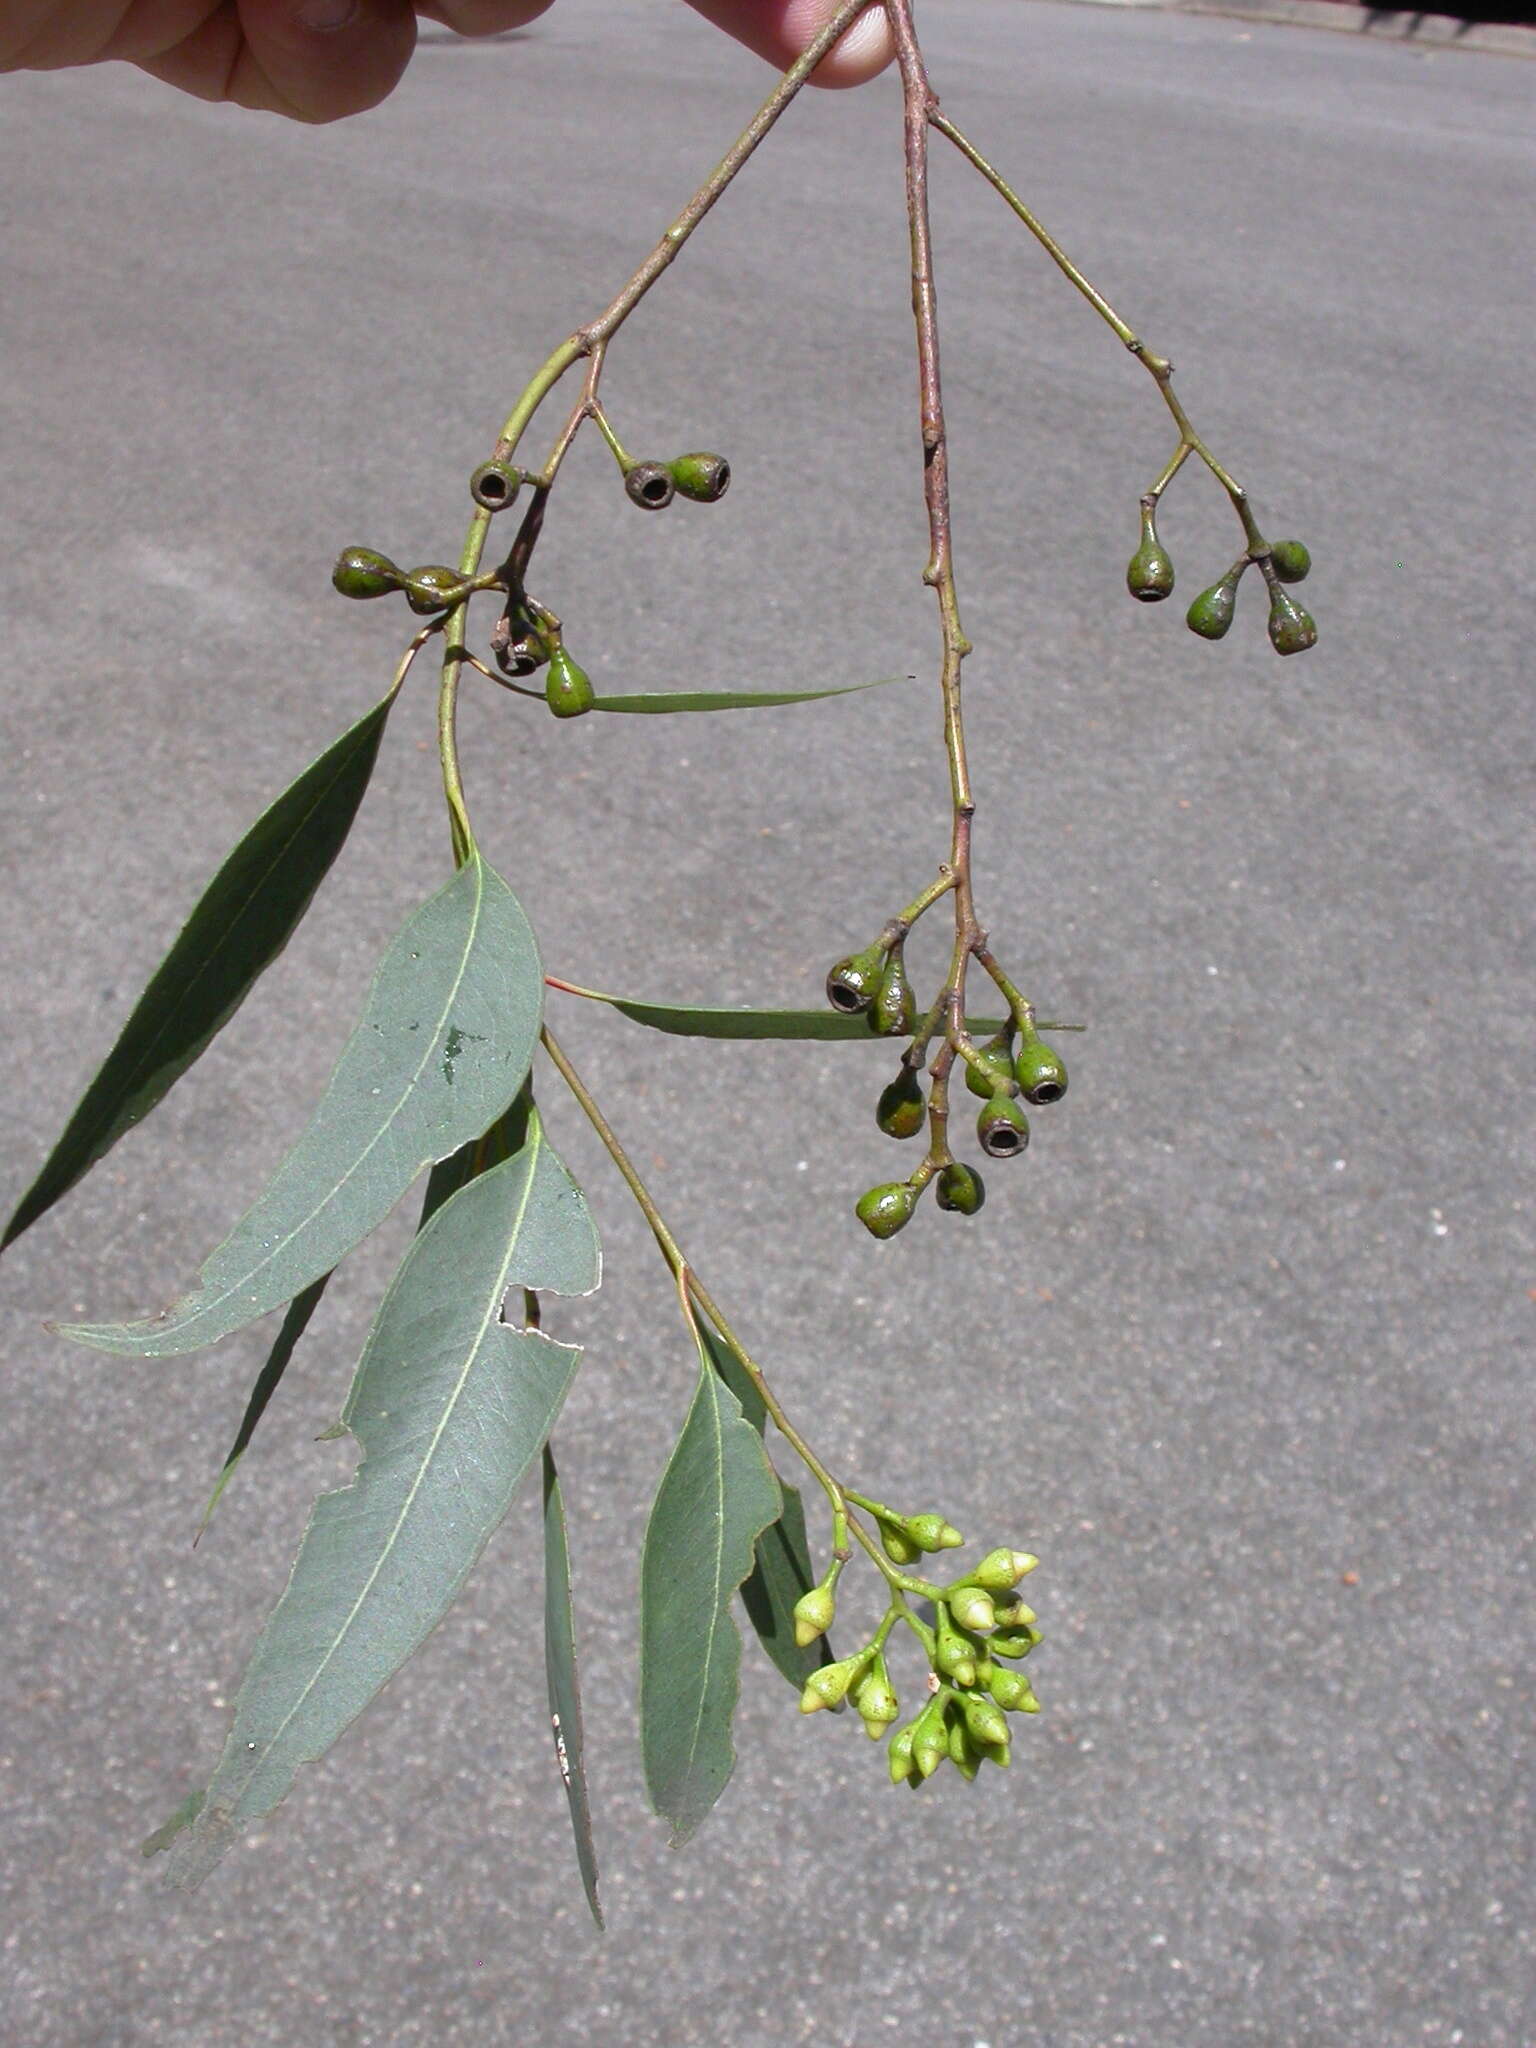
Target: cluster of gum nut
[(532, 638), (875, 984)]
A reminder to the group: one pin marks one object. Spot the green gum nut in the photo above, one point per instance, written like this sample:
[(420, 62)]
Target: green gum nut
[(436, 588), (650, 485), (704, 478), (901, 1111), (894, 1011), (567, 689), (997, 1056), (359, 572), (1002, 1129), (1290, 560), (1149, 573), (853, 983), (1041, 1072), (814, 1613), (897, 1544), (960, 1188), (972, 1609), (494, 485), (932, 1532), (885, 1210), (1213, 611), (1291, 630)]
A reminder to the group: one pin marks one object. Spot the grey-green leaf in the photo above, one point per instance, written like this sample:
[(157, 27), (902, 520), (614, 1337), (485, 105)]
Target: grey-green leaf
[(693, 1020), (781, 1565), (560, 1677), (441, 1051), (730, 700), (451, 1406), (293, 1326), (781, 1573), (716, 1497), (243, 920)]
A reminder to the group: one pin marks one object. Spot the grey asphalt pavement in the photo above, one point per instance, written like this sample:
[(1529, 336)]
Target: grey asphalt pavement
[(1241, 1348)]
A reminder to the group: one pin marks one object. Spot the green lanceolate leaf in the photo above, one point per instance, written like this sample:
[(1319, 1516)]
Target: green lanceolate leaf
[(560, 1676), (781, 1562), (294, 1324), (781, 1573), (245, 917), (451, 1406), (441, 1051), (693, 1020), (730, 700), (716, 1497)]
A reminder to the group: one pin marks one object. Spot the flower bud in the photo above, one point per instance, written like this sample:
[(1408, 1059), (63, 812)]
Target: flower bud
[(1041, 1072), (828, 1687), (1014, 1614), (1291, 630), (960, 1188), (359, 572), (1290, 560), (650, 485), (930, 1740), (1213, 611), (932, 1532), (435, 588), (902, 1110), (894, 1012), (972, 1608), (1011, 1690), (567, 689), (853, 984), (984, 1718), (1014, 1642), (885, 1210), (494, 485), (1002, 1129), (1149, 573), (703, 477), (814, 1612), (997, 1054), (953, 1656), (874, 1699), (897, 1544), (903, 1769), (1000, 1570), (963, 1753)]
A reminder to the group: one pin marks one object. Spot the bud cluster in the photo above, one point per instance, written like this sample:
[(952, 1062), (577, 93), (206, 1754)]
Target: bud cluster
[(980, 1629)]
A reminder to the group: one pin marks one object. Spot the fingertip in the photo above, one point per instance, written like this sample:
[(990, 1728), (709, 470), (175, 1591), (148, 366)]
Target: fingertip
[(322, 60), (780, 29)]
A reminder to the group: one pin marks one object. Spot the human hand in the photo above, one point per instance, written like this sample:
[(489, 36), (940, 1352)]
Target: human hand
[(317, 60)]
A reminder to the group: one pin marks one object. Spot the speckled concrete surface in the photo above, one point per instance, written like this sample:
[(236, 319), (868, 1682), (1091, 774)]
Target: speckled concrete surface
[(1241, 1349)]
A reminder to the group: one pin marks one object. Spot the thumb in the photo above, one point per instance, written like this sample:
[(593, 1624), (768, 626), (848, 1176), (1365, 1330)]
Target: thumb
[(780, 29)]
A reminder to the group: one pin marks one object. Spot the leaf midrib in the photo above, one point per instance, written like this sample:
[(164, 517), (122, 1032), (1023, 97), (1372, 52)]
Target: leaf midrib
[(535, 1146)]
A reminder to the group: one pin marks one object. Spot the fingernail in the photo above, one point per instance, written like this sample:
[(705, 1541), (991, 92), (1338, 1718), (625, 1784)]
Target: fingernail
[(326, 16)]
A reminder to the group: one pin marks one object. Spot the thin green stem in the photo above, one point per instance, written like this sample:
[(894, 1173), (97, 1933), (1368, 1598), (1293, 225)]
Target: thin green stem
[(1158, 367), (671, 1251)]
